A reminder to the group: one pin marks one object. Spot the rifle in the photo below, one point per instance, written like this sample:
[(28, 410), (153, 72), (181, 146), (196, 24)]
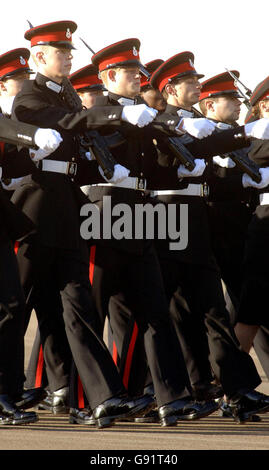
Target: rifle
[(240, 157), (92, 140), (245, 92)]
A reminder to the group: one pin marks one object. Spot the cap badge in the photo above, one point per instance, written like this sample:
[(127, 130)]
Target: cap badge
[(22, 60), (68, 33), (191, 63), (135, 53)]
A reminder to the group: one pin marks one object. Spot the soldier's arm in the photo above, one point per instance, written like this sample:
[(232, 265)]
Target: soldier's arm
[(33, 109), (218, 143), (17, 133)]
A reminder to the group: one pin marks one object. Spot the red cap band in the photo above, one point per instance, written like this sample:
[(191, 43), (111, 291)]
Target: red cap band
[(19, 63), (84, 82), (217, 88), (122, 57), (55, 36), (173, 72)]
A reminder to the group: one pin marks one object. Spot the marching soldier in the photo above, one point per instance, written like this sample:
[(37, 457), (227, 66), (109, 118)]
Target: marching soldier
[(195, 269), (230, 203), (87, 84), (57, 251), (252, 309), (15, 226), (150, 95), (130, 265)]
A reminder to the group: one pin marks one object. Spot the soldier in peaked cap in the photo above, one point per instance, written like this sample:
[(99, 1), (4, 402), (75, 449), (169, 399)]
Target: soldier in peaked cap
[(14, 69), (255, 281), (14, 226), (87, 84), (57, 251), (179, 81), (230, 203), (133, 261), (150, 95)]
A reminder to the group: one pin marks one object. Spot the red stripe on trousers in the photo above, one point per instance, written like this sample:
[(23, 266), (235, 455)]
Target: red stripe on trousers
[(39, 368), (16, 247), (92, 261), (81, 403), (129, 358)]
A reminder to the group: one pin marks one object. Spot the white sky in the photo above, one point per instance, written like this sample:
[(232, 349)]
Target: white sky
[(231, 33)]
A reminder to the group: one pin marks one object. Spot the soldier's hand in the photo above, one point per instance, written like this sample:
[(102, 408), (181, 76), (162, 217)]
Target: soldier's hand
[(198, 170), (47, 139), (0, 172), (120, 173), (37, 155), (258, 129), (14, 183), (139, 115), (197, 127), (248, 181)]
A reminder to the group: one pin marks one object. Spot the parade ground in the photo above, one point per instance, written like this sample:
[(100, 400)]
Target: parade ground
[(53, 432)]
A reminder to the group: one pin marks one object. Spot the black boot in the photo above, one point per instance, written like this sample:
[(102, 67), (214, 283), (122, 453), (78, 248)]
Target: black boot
[(29, 398), (244, 405), (121, 407), (185, 409), (10, 414), (57, 402), (85, 416)]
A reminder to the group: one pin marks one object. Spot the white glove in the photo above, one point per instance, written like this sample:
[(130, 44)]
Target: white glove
[(198, 170), (89, 156), (120, 173), (16, 182), (139, 114), (258, 129), (0, 172), (39, 154), (197, 127), (247, 181), (226, 162), (47, 139)]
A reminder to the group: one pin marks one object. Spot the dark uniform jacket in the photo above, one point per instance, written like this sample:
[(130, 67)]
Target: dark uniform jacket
[(259, 153), (53, 200), (13, 223), (199, 249)]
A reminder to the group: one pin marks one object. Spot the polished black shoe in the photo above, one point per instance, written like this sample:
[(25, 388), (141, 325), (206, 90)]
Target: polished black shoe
[(84, 416), (56, 402), (150, 417), (206, 391), (11, 414), (29, 398), (185, 409), (121, 407), (243, 406), (225, 411)]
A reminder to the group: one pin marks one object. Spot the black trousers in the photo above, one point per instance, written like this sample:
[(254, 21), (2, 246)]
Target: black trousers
[(138, 278), (11, 323), (70, 270), (202, 296)]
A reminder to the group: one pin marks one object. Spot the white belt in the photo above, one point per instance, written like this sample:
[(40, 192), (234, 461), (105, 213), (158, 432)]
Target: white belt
[(264, 199), (130, 182), (192, 190), (67, 168)]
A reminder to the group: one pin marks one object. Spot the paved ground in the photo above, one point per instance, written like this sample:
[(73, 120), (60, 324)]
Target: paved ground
[(211, 433)]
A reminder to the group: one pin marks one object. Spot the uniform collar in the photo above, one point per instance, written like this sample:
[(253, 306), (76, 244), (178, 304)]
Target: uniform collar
[(181, 112), (122, 100), (46, 82)]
